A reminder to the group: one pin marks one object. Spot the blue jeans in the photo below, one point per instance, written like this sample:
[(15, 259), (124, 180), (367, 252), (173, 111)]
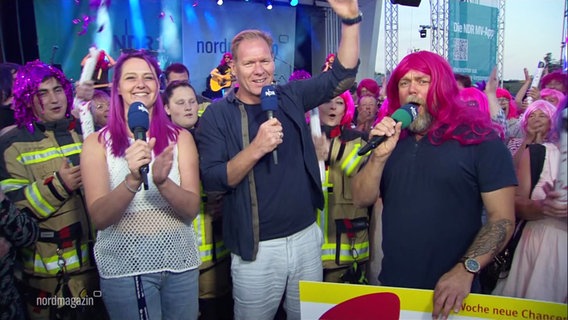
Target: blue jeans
[(280, 264), (168, 296)]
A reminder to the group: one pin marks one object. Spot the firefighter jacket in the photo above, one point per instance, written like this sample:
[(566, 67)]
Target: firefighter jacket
[(344, 226), (208, 230), (29, 164)]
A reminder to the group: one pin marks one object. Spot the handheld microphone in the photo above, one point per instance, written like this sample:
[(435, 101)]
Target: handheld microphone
[(269, 103), (138, 122), (405, 114)]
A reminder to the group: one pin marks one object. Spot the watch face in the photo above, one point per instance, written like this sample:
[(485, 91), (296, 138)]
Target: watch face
[(472, 265)]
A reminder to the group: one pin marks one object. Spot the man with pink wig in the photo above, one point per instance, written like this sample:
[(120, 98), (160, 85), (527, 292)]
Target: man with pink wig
[(434, 183), (39, 172)]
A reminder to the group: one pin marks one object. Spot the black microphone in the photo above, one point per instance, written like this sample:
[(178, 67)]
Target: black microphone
[(405, 114), (138, 122), (269, 103)]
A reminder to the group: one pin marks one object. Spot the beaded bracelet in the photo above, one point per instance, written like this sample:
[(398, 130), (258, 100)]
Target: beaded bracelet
[(128, 187)]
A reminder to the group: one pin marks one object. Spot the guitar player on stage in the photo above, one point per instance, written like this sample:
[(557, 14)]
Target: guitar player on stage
[(221, 77)]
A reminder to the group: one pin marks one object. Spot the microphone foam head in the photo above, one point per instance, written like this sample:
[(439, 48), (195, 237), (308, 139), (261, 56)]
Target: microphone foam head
[(138, 116), (268, 98), (406, 114)]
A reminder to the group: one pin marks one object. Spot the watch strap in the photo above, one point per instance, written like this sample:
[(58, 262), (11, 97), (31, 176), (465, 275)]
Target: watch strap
[(352, 21)]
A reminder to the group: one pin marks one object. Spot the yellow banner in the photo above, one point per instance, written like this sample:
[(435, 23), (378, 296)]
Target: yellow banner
[(329, 301)]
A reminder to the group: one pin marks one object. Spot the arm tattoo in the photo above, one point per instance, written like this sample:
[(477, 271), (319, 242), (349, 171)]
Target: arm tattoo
[(490, 239)]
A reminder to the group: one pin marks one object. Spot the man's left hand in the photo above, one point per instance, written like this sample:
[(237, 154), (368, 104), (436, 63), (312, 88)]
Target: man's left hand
[(452, 288)]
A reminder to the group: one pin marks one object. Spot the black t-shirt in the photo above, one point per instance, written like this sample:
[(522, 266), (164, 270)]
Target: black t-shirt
[(284, 200), (432, 205)]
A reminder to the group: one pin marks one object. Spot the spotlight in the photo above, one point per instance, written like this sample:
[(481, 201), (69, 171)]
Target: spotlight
[(423, 31), (293, 3), (269, 4), (219, 2)]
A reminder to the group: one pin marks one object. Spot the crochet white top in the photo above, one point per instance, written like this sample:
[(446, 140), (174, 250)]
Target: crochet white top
[(149, 237)]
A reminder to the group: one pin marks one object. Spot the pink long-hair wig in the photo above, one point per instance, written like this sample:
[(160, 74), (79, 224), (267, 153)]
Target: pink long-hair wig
[(473, 97), (160, 126), (448, 111), (349, 109), (513, 110), (26, 87)]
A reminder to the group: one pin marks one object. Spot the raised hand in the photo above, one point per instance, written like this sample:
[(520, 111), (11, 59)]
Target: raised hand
[(346, 9), (85, 90)]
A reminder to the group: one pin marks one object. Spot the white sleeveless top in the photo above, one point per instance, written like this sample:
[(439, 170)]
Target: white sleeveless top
[(149, 237)]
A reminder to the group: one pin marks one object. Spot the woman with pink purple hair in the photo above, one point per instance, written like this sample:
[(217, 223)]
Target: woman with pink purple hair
[(535, 125), (338, 149), (552, 95), (145, 239), (538, 268)]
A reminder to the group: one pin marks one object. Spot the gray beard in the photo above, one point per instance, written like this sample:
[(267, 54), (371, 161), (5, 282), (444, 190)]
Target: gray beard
[(421, 124)]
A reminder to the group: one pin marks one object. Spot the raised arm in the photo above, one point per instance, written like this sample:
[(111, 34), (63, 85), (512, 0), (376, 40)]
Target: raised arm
[(523, 89), (348, 51)]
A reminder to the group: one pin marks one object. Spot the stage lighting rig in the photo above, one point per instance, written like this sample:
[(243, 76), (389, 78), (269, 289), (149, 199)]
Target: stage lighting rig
[(422, 30)]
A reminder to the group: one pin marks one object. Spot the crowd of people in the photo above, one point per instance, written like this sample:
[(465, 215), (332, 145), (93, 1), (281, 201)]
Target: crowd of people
[(176, 208)]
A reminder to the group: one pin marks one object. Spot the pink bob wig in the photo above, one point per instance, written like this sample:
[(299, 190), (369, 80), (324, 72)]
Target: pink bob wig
[(226, 55), (473, 97), (329, 57), (371, 85), (161, 127), (26, 87), (548, 108), (513, 110), (547, 92), (451, 118)]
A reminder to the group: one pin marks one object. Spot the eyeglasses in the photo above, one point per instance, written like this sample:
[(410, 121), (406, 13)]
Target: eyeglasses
[(102, 106)]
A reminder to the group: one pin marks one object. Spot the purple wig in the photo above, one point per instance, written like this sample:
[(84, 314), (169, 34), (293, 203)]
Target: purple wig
[(161, 127), (26, 87), (299, 75), (451, 118)]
